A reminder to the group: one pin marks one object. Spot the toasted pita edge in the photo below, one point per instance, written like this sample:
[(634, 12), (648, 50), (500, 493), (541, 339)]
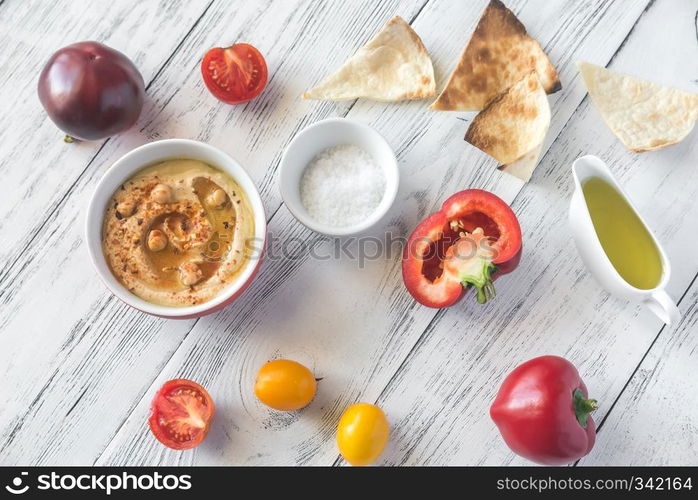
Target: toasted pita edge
[(427, 89), (657, 144), (444, 102), (474, 134)]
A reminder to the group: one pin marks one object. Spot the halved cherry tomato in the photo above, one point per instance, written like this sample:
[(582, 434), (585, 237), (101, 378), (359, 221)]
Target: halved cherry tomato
[(234, 74), (180, 414)]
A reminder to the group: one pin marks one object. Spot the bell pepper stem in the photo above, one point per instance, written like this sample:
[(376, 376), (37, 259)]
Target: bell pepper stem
[(583, 407), (482, 281)]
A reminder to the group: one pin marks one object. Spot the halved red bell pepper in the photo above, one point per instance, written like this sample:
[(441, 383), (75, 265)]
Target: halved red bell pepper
[(474, 238)]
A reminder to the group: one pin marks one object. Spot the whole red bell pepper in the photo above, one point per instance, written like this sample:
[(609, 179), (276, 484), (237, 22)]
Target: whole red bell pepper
[(473, 239), (543, 412)]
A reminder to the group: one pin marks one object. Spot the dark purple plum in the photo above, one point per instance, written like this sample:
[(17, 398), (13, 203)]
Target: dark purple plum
[(91, 91)]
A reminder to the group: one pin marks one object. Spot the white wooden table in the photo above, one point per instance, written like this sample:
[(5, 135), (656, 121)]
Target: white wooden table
[(79, 368)]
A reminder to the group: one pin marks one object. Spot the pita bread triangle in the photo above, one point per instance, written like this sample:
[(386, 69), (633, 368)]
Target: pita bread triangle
[(393, 66), (512, 127), (644, 115), (499, 54)]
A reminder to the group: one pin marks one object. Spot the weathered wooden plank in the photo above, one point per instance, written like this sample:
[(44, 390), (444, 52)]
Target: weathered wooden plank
[(655, 421), (60, 364), (551, 305), (362, 323)]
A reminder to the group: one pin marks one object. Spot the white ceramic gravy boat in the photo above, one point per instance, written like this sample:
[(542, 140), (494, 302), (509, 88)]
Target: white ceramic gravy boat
[(593, 255)]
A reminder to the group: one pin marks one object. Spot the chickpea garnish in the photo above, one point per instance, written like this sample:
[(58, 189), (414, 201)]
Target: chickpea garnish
[(161, 193), (126, 208), (217, 198), (157, 240), (190, 273)]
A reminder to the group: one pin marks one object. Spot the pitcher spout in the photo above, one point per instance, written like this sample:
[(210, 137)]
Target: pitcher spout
[(589, 166)]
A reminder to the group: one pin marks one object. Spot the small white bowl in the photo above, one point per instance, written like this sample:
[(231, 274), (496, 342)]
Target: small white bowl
[(144, 156), (312, 141)]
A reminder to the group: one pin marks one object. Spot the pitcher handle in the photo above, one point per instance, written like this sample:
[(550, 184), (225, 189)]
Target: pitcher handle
[(664, 307)]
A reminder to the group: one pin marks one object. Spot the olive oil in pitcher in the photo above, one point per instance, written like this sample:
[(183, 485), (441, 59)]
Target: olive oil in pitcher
[(623, 236)]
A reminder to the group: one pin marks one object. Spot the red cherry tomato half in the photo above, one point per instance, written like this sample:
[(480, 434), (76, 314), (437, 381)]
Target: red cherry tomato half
[(181, 414), (234, 74)]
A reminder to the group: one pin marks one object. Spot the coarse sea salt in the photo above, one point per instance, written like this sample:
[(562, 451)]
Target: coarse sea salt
[(342, 186)]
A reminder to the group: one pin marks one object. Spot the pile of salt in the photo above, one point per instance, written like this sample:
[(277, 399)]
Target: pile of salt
[(342, 186)]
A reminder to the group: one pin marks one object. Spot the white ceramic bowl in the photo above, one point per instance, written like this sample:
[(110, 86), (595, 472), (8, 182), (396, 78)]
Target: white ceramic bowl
[(144, 156), (324, 134)]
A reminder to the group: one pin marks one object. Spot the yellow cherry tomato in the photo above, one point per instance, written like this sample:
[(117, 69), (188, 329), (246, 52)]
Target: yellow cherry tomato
[(285, 385), (362, 433)]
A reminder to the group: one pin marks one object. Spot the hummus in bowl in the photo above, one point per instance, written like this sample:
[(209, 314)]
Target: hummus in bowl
[(179, 233)]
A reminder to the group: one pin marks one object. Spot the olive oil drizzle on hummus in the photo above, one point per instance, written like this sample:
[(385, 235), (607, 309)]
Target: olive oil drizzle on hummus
[(208, 256)]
